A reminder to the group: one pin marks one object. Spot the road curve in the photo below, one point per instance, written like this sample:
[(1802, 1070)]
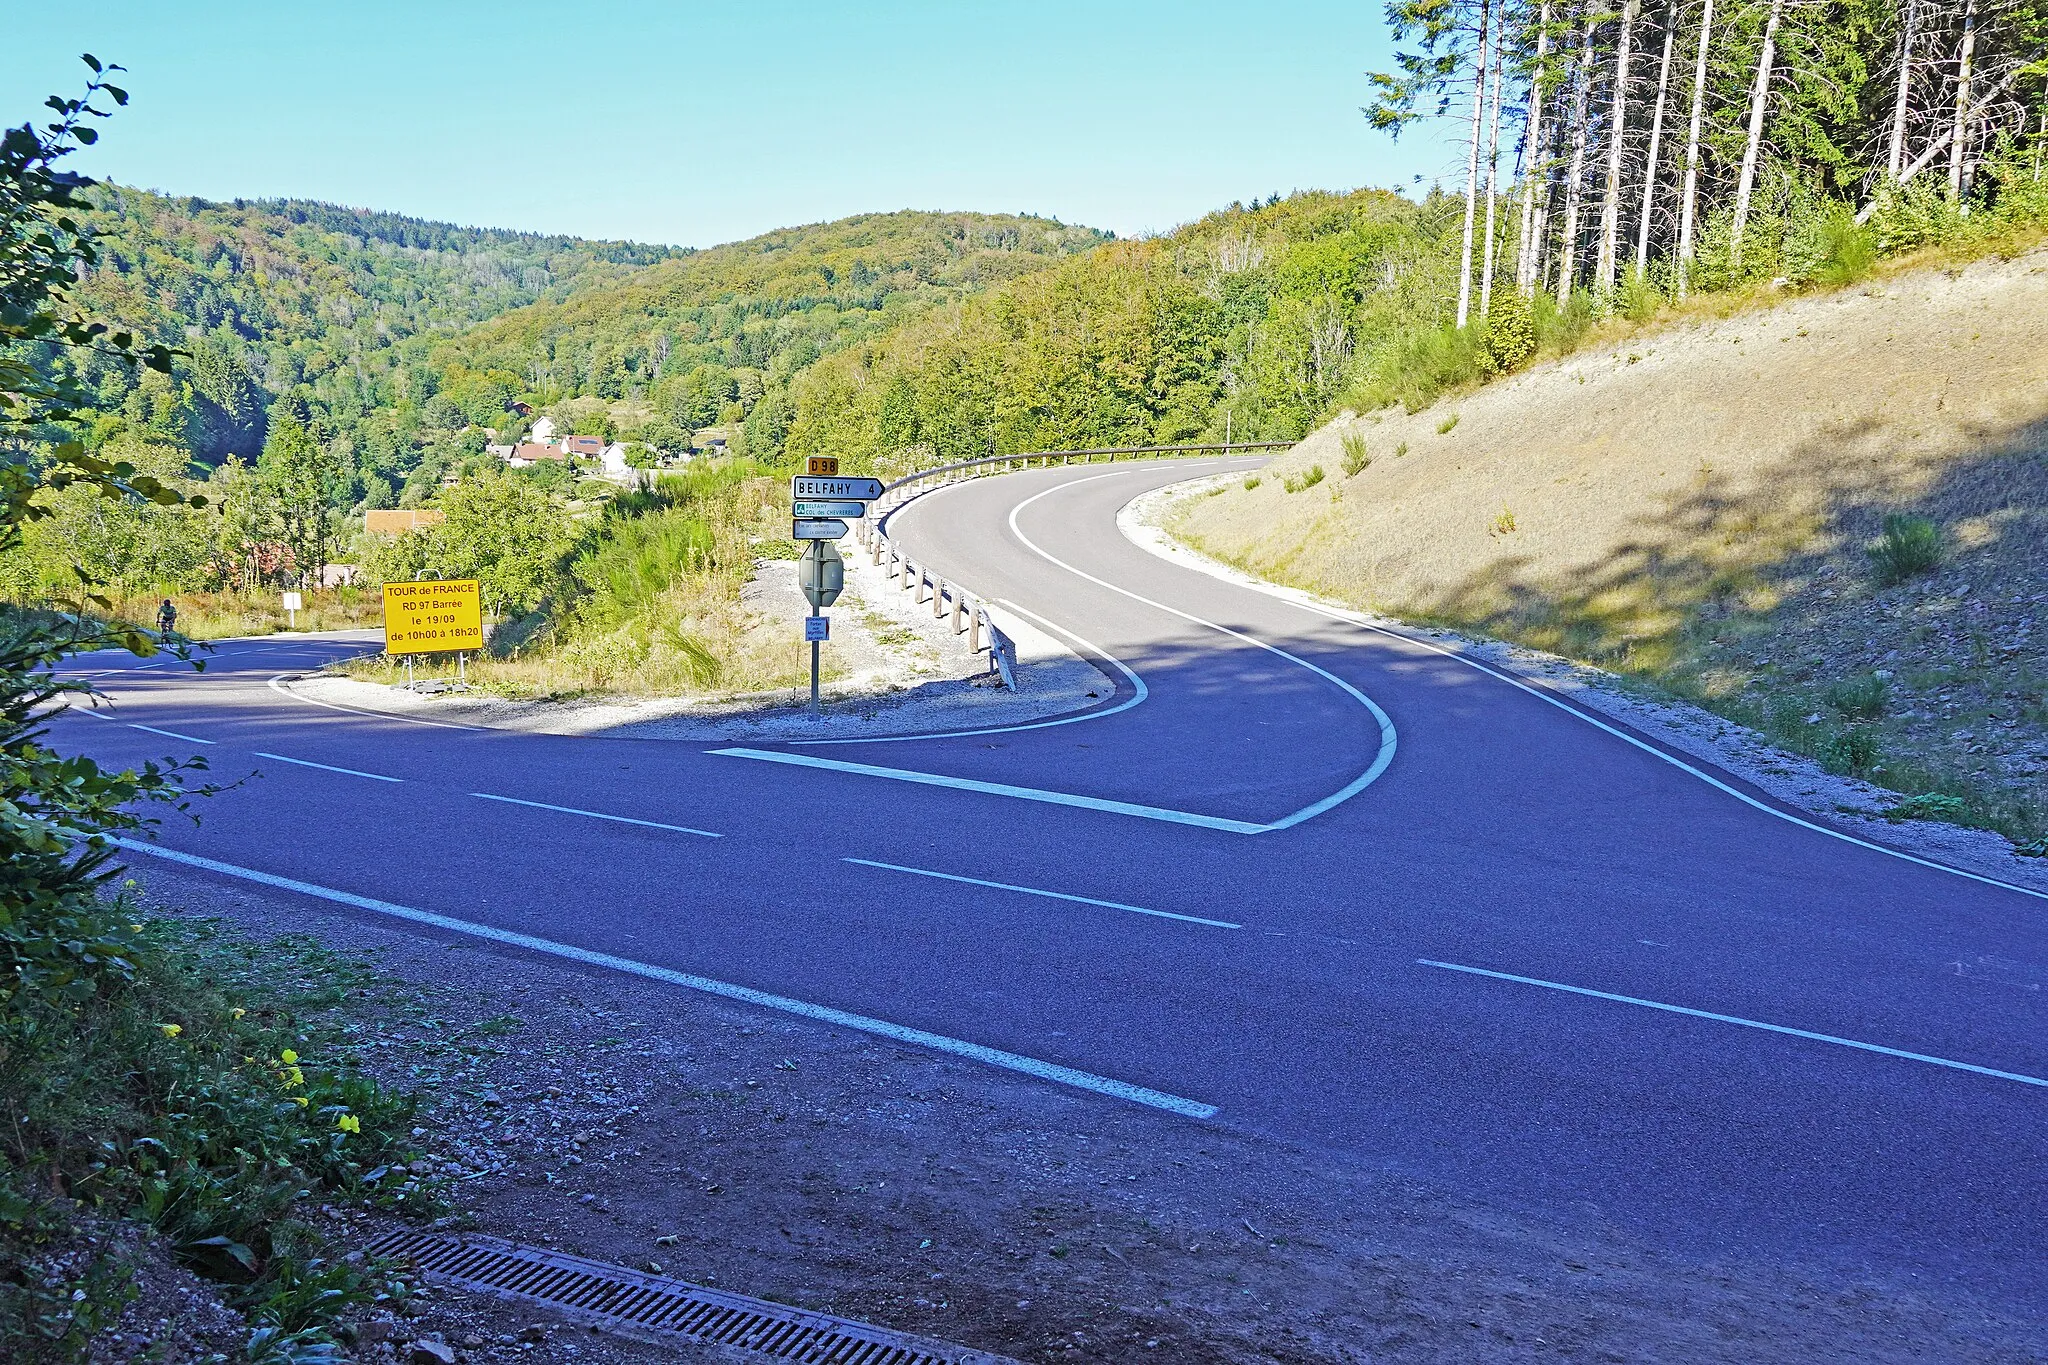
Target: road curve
[(1320, 882)]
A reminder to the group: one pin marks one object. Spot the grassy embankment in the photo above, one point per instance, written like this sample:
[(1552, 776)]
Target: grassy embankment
[(1822, 519), (647, 601)]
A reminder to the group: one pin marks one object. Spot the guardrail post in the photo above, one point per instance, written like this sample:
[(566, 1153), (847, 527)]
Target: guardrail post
[(958, 603), (939, 599)]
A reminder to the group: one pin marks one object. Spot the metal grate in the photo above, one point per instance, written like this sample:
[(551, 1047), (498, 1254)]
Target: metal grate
[(651, 1306)]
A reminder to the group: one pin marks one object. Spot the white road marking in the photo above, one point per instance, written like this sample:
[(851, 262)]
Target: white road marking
[(596, 815), (329, 767), (1736, 1019), (173, 734), (966, 784), (938, 1042), (1294, 598), (355, 711), (1035, 891), (1388, 740)]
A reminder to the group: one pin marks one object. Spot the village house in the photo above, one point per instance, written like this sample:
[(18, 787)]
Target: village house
[(528, 453), (586, 447), (544, 429)]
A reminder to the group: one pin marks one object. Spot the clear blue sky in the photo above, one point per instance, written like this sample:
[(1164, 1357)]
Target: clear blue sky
[(697, 123)]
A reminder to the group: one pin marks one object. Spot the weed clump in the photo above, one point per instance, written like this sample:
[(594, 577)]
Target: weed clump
[(1931, 806), (1308, 479), (1355, 456), (1853, 749), (1253, 482), (1444, 427), (1859, 698), (1909, 546)]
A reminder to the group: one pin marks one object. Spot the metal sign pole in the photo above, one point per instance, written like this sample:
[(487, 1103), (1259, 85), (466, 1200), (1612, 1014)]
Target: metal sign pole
[(814, 677)]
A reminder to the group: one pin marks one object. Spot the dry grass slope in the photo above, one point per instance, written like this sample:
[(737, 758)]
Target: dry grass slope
[(1694, 508)]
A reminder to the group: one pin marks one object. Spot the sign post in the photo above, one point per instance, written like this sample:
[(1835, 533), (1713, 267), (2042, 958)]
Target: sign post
[(821, 573), (818, 500), (293, 604)]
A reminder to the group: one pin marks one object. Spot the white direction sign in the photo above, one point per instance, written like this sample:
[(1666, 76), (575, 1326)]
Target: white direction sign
[(863, 490), (817, 529), (830, 508)]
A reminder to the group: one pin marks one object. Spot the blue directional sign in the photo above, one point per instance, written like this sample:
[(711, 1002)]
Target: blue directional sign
[(817, 628), (816, 530), (845, 508)]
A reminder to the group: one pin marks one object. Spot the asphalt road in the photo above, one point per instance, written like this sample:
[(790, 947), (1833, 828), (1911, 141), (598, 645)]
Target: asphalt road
[(1326, 880)]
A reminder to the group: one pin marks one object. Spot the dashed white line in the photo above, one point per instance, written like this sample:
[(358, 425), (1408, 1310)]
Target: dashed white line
[(329, 767), (173, 734), (596, 815), (937, 1042), (1737, 1019), (1037, 891)]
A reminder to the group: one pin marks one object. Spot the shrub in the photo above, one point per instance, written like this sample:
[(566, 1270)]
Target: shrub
[(1445, 427), (1909, 546), (1638, 299), (1355, 456), (1510, 330), (1859, 698), (1253, 482)]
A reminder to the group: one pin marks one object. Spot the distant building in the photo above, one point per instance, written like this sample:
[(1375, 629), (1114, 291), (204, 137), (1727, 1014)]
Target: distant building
[(502, 452), (612, 460), (589, 447), (397, 521), (528, 453), (544, 429), (710, 440), (523, 409)]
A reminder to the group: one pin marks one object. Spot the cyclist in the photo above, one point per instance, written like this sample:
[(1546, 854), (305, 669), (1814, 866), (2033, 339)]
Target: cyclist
[(166, 617)]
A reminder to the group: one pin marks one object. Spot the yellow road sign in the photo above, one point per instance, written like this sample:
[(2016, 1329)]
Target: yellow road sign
[(826, 465), (433, 617)]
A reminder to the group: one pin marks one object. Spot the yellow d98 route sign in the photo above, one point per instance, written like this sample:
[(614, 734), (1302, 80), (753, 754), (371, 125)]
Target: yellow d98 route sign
[(433, 617)]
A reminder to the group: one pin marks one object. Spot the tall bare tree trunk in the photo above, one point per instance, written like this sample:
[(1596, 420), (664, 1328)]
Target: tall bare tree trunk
[(1656, 141), (1965, 59), (1500, 42), (1617, 130), (1689, 201), (1533, 160), (1472, 168), (1897, 161), (1568, 245), (1759, 102)]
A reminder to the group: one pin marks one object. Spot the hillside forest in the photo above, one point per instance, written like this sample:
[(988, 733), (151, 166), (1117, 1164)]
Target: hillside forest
[(1619, 162)]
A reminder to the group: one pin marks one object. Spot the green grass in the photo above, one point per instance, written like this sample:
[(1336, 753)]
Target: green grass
[(1909, 546), (1356, 458), (1304, 481)]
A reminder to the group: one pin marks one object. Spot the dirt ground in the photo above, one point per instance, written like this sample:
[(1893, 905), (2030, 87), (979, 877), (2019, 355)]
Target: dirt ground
[(1693, 507), (645, 1126)]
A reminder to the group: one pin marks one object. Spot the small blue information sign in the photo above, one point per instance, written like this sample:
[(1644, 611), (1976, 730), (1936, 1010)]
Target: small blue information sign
[(817, 628)]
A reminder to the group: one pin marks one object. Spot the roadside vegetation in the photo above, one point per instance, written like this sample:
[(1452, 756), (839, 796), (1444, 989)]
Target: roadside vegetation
[(171, 1097)]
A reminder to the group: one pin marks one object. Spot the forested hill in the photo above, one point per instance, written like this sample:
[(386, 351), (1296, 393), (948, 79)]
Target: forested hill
[(719, 335), (326, 306)]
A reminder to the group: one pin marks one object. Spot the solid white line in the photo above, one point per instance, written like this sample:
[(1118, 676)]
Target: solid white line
[(172, 734), (965, 784), (1035, 891), (358, 711), (596, 815), (1745, 1023), (1387, 738), (1293, 598), (329, 767), (1138, 694), (938, 1042)]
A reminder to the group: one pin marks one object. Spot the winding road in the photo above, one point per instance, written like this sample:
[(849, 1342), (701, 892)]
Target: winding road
[(1300, 875)]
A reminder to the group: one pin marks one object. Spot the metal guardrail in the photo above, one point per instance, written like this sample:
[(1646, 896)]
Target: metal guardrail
[(970, 615)]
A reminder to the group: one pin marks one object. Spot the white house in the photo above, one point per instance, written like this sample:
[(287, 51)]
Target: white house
[(612, 460), (544, 429)]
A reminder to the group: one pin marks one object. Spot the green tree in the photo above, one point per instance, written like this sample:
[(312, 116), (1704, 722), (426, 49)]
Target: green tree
[(508, 534), (293, 478)]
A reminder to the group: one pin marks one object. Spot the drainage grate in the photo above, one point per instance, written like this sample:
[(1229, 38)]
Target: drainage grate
[(651, 1306)]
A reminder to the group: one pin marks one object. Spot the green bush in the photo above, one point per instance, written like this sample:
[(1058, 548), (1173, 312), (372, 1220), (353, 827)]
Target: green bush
[(1853, 749), (1909, 546), (1510, 330)]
